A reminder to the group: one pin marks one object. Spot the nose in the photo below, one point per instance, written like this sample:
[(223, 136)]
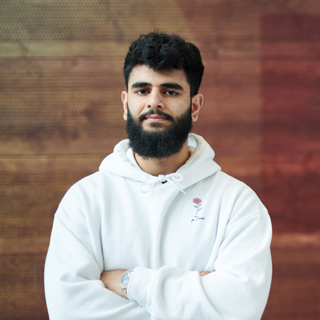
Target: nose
[(155, 100)]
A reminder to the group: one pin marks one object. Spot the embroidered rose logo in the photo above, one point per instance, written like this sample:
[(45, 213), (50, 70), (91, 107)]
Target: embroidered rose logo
[(198, 204)]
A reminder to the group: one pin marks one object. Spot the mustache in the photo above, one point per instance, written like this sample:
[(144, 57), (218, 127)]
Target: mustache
[(158, 112)]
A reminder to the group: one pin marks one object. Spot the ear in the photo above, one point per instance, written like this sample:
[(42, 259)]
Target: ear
[(124, 98), (197, 102)]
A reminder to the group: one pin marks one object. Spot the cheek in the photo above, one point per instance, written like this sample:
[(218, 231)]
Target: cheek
[(136, 105), (184, 107)]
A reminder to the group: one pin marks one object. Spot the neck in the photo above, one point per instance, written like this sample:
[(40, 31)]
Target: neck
[(164, 166)]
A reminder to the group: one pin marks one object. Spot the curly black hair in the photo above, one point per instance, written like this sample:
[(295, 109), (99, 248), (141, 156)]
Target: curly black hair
[(161, 51)]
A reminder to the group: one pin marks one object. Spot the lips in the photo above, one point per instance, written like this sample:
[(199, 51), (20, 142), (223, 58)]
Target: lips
[(156, 117)]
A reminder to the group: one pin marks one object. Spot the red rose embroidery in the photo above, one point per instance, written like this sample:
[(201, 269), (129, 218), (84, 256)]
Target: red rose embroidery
[(198, 205)]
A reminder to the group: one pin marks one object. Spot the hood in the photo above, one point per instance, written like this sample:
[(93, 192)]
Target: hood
[(199, 166)]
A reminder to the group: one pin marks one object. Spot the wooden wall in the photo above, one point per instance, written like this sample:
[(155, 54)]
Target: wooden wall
[(60, 115)]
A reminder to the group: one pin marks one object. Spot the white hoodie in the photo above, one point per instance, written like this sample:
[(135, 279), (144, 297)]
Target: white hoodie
[(201, 219)]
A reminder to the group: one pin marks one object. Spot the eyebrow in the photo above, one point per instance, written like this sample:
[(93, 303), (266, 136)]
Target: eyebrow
[(140, 84), (170, 85)]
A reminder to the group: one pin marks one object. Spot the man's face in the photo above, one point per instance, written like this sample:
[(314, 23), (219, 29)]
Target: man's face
[(159, 111)]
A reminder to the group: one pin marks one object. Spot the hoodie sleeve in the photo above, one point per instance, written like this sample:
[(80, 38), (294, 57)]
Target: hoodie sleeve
[(72, 273), (238, 288)]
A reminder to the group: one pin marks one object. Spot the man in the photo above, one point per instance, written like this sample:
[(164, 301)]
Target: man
[(159, 232)]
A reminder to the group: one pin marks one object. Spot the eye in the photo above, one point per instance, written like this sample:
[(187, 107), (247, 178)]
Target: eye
[(170, 93), (142, 91)]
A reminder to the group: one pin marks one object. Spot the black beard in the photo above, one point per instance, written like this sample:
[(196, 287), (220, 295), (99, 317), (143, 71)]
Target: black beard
[(158, 143)]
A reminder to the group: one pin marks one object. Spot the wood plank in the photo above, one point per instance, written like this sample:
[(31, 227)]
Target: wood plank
[(24, 246), (60, 146), (295, 286), (292, 200), (22, 289), (294, 240), (31, 188), (59, 49), (231, 91), (108, 66)]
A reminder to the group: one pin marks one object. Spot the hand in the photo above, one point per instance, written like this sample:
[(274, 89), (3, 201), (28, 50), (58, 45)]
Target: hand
[(111, 280), (204, 273)]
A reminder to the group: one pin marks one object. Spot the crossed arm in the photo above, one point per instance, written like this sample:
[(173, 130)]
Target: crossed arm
[(76, 285), (111, 280)]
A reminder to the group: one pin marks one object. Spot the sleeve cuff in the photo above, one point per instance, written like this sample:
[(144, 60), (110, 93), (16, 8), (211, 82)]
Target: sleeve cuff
[(141, 283)]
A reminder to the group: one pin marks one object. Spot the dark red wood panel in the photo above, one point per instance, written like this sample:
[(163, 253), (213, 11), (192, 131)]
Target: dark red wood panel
[(290, 128)]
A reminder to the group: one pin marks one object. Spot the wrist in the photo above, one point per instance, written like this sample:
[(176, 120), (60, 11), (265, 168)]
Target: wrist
[(125, 281)]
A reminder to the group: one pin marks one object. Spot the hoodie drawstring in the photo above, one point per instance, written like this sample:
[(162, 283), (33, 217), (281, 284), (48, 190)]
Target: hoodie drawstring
[(171, 178)]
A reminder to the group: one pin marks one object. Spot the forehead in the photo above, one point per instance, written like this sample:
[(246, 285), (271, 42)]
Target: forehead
[(143, 73)]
